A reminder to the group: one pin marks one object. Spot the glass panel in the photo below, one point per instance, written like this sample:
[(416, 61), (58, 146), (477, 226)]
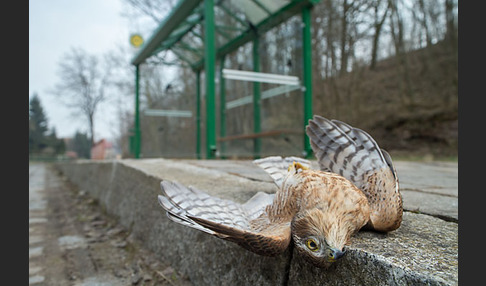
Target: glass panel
[(185, 54), (232, 18), (253, 10), (274, 5), (229, 24)]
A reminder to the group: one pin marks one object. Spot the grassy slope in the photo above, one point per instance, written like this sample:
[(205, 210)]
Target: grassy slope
[(414, 117)]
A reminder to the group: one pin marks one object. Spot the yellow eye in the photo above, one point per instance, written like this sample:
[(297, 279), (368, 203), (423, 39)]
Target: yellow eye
[(311, 244)]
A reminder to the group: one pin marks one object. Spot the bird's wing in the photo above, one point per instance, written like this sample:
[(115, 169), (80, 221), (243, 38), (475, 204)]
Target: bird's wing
[(255, 206), (277, 167), (355, 155), (225, 219), (342, 149)]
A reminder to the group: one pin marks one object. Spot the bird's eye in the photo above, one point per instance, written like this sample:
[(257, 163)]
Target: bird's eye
[(311, 244)]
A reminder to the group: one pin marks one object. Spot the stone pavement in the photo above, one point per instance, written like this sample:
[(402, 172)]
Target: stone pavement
[(423, 251), (37, 221), (426, 187), (430, 188)]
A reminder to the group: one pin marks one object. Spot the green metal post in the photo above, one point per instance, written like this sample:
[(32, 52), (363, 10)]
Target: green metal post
[(257, 144), (222, 107), (209, 66), (198, 114), (137, 139), (307, 58)]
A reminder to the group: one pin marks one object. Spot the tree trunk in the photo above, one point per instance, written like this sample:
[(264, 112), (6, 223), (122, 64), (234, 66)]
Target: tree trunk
[(397, 34), (344, 39), (91, 128), (378, 25), (331, 69)]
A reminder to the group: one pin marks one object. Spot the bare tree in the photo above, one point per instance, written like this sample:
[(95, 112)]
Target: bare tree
[(155, 10), (331, 62), (451, 24), (398, 31), (344, 45), (82, 84), (378, 21)]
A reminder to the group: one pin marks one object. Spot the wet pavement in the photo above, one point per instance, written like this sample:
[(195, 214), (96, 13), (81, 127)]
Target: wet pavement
[(37, 221), (72, 242)]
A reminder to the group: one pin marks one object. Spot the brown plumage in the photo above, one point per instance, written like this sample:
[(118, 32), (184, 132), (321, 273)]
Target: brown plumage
[(354, 154), (319, 210)]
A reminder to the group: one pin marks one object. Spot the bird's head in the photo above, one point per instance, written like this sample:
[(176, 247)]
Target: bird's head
[(318, 241)]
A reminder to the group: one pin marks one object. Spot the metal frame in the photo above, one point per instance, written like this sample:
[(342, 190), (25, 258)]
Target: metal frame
[(182, 20), (256, 76), (170, 113), (209, 69), (257, 142)]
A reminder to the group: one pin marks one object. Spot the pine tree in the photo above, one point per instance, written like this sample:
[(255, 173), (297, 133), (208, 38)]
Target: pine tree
[(82, 145), (57, 144), (37, 125)]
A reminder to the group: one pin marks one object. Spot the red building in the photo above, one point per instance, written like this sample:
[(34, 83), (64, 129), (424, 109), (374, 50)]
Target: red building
[(102, 150)]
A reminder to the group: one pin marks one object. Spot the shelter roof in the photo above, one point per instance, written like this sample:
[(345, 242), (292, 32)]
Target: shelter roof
[(236, 23)]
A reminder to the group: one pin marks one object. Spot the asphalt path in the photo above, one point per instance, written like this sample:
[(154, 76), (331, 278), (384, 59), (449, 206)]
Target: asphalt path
[(73, 242)]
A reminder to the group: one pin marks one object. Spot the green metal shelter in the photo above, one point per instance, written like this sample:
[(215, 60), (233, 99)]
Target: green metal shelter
[(194, 32)]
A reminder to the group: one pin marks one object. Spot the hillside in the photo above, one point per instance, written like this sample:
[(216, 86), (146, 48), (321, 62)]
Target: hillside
[(409, 104)]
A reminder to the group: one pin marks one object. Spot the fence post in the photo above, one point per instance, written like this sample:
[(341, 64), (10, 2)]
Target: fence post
[(256, 100), (137, 136), (209, 64), (307, 77), (198, 114), (222, 107)]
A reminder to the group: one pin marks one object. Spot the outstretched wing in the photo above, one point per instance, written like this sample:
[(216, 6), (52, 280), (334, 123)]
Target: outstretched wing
[(342, 149), (243, 224), (277, 167), (354, 154)]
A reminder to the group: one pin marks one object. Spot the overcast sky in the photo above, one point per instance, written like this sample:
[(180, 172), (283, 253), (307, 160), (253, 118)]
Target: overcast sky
[(54, 27)]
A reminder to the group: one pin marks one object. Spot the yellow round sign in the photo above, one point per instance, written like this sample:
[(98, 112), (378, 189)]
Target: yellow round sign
[(136, 40)]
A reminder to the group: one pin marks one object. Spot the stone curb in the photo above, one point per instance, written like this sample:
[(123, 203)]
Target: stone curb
[(423, 251)]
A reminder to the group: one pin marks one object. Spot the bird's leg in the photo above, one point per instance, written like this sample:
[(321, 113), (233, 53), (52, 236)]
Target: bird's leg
[(298, 167)]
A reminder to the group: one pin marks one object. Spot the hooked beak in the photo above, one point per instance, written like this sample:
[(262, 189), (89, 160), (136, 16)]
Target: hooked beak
[(336, 254)]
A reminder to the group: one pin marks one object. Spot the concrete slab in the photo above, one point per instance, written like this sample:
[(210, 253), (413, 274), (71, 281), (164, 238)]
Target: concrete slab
[(429, 187), (444, 207), (439, 178), (423, 250)]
